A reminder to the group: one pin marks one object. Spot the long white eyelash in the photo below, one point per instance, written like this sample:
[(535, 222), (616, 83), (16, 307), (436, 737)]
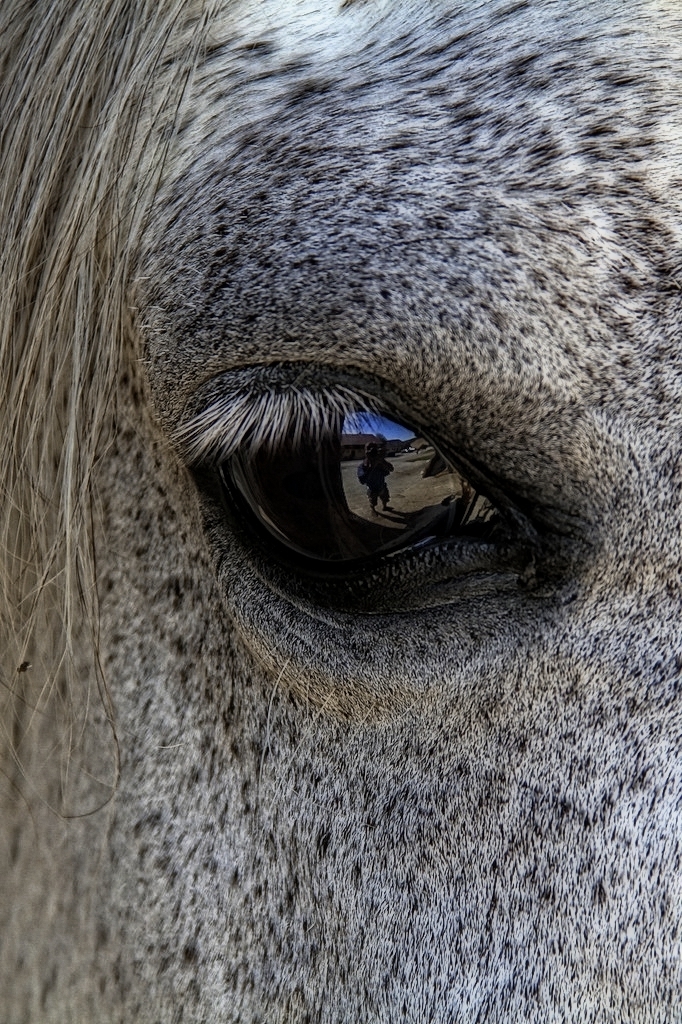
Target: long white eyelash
[(248, 420)]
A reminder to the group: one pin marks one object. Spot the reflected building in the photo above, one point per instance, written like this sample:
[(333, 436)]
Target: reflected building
[(353, 446)]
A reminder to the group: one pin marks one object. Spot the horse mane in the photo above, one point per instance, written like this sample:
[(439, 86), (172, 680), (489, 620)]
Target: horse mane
[(89, 101)]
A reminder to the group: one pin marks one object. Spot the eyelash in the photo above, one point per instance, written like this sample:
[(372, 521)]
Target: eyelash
[(244, 430), (250, 419)]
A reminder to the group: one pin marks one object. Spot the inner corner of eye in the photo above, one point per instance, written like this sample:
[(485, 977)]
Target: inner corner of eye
[(370, 487)]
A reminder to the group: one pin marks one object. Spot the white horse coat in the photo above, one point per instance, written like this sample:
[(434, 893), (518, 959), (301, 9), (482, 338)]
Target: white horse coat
[(439, 786)]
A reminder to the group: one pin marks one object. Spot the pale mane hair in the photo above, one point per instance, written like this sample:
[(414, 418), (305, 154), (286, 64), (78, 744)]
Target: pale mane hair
[(90, 98), (89, 95)]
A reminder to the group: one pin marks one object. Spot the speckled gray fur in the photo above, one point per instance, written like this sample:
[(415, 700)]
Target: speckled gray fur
[(463, 813)]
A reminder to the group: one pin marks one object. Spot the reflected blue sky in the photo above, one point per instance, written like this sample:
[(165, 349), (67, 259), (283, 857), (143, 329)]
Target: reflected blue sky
[(373, 423)]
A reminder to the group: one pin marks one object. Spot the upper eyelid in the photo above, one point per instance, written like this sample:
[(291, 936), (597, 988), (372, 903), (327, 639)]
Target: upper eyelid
[(255, 416)]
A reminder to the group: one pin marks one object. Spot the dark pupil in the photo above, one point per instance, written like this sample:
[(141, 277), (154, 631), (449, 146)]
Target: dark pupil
[(359, 493)]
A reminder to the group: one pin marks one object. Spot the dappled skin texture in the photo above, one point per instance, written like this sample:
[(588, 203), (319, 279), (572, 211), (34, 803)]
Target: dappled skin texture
[(468, 810)]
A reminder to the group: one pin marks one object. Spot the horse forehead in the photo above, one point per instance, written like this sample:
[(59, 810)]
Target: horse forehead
[(545, 56), (343, 169)]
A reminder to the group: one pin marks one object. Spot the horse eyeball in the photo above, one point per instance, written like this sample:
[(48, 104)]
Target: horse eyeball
[(374, 487)]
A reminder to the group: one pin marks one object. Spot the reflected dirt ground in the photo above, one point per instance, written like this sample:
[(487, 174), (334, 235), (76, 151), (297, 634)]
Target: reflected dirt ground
[(411, 493)]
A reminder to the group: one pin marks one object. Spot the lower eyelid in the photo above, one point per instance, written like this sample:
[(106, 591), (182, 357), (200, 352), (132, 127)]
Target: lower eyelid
[(426, 575)]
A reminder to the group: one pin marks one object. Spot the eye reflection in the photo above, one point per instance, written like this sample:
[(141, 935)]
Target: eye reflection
[(373, 487)]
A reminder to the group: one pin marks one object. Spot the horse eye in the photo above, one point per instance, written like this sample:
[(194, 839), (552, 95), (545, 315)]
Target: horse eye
[(372, 488)]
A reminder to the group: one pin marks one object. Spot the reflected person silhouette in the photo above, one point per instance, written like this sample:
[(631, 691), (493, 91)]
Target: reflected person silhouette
[(372, 472)]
